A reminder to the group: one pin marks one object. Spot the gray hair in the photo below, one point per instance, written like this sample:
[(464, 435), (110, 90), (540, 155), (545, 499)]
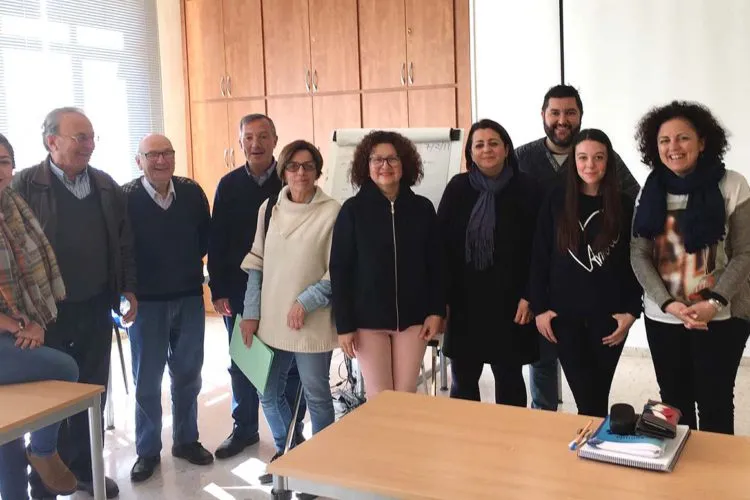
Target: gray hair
[(256, 116), (51, 125)]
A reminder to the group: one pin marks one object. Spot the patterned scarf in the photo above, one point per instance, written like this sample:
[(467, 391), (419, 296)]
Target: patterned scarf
[(30, 280)]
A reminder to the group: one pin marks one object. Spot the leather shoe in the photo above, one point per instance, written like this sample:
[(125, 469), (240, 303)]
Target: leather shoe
[(268, 478), (299, 437), (110, 487), (53, 473), (194, 453), (144, 468), (234, 444)]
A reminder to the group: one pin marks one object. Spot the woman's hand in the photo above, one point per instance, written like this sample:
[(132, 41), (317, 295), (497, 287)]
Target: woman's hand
[(702, 312), (430, 327), (295, 319), (544, 325), (248, 327), (347, 344), (31, 337), (624, 322), (523, 313), (677, 309)]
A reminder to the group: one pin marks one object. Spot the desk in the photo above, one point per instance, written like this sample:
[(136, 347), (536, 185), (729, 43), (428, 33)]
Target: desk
[(31, 406), (418, 447)]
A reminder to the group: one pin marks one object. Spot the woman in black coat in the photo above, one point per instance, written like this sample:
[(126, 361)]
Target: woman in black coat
[(486, 219), (386, 274)]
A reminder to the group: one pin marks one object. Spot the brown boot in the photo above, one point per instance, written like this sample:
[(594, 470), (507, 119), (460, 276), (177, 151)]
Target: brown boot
[(54, 474)]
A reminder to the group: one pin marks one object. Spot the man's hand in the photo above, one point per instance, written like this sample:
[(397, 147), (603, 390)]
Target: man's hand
[(222, 307), (133, 312), (248, 327), (347, 344)]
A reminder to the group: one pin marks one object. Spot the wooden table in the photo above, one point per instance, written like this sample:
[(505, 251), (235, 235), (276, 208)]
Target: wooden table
[(418, 447), (34, 405)]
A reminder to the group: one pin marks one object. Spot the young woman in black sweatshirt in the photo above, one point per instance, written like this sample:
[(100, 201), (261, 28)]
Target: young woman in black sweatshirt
[(583, 290)]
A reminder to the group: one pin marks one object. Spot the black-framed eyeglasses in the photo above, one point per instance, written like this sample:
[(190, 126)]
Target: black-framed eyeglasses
[(308, 166), (379, 161), (154, 155)]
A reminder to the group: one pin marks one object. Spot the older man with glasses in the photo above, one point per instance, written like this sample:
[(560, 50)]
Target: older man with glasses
[(170, 219), (84, 216)]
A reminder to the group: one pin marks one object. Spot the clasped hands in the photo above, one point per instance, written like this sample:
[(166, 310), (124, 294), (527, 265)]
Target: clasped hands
[(695, 317), (30, 336)]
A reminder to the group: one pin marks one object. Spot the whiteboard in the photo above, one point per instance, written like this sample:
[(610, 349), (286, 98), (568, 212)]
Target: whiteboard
[(440, 149)]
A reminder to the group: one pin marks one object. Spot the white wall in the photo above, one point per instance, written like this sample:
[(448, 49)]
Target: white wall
[(624, 57), (516, 60)]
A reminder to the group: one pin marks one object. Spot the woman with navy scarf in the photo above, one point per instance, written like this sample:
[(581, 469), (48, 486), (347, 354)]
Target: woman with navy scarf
[(691, 253), (486, 219)]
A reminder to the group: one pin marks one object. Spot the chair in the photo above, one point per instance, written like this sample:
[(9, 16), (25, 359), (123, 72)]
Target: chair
[(110, 410), (436, 346)]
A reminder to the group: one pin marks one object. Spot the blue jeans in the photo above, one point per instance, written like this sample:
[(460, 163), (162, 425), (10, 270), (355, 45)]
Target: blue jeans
[(29, 365), (245, 402), (168, 333), (314, 371), (543, 377)]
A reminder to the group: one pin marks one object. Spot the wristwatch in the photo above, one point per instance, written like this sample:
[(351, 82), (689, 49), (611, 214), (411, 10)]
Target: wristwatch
[(717, 305), (21, 326)]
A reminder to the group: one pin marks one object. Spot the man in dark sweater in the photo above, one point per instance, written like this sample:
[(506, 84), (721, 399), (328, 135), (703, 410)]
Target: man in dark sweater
[(547, 159), (170, 219), (84, 215), (235, 216)]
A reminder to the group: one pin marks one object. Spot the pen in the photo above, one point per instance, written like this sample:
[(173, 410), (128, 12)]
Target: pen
[(579, 436)]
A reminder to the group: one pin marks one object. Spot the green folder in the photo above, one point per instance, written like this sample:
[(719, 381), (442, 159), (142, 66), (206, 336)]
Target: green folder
[(254, 361)]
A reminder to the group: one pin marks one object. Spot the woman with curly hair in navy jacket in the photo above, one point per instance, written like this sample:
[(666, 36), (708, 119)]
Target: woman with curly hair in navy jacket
[(386, 273)]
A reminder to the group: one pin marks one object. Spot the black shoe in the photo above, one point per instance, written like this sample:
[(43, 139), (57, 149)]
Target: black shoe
[(234, 444), (194, 453), (268, 478), (110, 487), (39, 492), (144, 468), (299, 438), (306, 496)]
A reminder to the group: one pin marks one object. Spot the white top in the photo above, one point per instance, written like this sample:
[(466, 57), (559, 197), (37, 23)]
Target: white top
[(163, 201)]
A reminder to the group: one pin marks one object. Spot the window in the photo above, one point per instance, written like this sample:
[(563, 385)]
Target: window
[(99, 55)]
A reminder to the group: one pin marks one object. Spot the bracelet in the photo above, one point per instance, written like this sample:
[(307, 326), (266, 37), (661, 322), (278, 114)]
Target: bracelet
[(717, 305)]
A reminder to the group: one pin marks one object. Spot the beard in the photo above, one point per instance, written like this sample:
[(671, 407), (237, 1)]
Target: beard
[(563, 143)]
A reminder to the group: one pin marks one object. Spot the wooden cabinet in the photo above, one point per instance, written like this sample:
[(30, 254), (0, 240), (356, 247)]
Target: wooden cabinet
[(224, 49), (293, 119), (385, 110), (210, 144), (406, 43), (432, 108), (286, 29), (333, 45), (332, 112)]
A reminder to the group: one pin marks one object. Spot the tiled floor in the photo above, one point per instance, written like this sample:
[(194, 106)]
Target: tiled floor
[(237, 478)]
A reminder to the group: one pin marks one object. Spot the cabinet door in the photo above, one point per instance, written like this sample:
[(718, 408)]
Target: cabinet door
[(236, 110), (430, 46), (432, 108), (208, 129), (293, 119), (205, 48), (243, 42), (286, 29), (333, 45), (382, 43), (330, 113), (385, 110)]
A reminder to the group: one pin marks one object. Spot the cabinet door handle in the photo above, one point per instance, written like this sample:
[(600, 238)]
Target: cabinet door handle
[(403, 74), (229, 86), (307, 80), (315, 81), (231, 158), (221, 87), (226, 162), (411, 73)]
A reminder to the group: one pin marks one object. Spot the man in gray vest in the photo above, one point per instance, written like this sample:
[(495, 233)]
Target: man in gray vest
[(84, 214)]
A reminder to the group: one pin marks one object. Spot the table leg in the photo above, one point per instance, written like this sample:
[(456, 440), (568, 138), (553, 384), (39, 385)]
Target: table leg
[(109, 408), (443, 372), (97, 447), (559, 383)]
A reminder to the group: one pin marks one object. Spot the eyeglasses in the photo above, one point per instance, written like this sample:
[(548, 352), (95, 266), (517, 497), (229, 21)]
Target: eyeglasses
[(154, 155), (308, 166), (379, 161), (83, 138)]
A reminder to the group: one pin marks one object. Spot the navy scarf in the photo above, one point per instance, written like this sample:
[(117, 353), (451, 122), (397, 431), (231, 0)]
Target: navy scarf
[(480, 232), (702, 223)]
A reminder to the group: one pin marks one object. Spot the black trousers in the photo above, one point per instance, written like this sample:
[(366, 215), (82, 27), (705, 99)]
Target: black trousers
[(84, 331), (588, 364), (694, 366), (510, 388)]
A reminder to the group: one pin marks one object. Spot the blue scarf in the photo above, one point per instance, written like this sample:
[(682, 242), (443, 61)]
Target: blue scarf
[(480, 232), (702, 223)]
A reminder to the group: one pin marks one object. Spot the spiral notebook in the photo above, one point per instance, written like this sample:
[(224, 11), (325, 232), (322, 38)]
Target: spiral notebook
[(664, 463)]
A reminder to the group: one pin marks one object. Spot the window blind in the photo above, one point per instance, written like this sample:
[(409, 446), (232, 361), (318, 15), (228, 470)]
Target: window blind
[(99, 55)]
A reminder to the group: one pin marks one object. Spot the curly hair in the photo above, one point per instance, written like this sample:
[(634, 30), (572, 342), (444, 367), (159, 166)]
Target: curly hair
[(290, 149), (700, 117), (411, 162)]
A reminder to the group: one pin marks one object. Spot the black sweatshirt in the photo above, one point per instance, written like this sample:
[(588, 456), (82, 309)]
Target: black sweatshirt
[(585, 283)]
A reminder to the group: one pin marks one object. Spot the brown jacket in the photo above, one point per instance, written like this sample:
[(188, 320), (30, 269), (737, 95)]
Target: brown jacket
[(33, 184)]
